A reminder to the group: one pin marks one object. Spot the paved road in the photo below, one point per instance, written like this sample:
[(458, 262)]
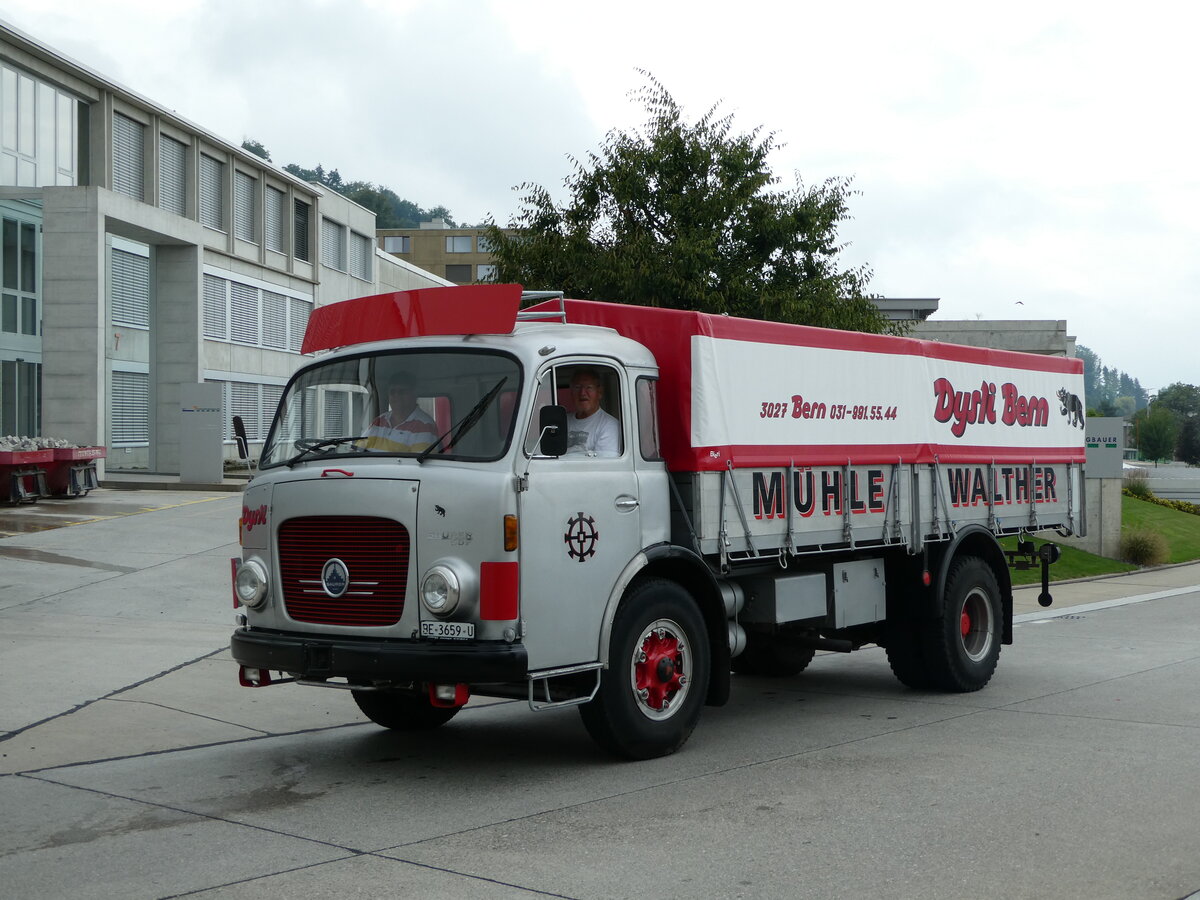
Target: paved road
[(131, 764)]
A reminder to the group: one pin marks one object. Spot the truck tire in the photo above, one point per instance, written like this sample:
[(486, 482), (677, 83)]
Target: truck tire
[(651, 694), (906, 655), (403, 710), (772, 656), (962, 646)]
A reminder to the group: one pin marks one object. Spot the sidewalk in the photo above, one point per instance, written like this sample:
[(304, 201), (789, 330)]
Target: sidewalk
[(146, 481), (1128, 587)]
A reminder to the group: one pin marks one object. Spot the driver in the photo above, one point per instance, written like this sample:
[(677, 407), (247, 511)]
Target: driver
[(405, 427), (591, 430)]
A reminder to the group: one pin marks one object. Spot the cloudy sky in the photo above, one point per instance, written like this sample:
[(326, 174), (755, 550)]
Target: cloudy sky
[(1038, 162)]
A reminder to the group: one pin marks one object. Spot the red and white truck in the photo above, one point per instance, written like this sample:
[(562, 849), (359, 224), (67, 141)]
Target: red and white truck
[(775, 490)]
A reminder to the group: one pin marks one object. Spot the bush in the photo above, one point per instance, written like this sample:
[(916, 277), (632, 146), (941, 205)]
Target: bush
[(1137, 484), (1143, 547)]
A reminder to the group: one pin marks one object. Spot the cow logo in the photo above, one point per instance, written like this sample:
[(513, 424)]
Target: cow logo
[(581, 537), (335, 577), (1072, 407), (440, 510)]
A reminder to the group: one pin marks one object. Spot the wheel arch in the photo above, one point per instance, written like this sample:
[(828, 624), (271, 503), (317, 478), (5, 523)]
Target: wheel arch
[(683, 567)]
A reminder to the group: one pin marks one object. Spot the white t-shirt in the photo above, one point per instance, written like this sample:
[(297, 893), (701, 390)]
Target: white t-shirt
[(597, 435)]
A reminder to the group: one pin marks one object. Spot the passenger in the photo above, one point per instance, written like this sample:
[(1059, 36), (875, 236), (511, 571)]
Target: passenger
[(591, 430), (405, 427)]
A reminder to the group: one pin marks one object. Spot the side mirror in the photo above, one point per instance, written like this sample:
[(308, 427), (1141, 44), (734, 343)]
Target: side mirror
[(552, 420), (239, 435)]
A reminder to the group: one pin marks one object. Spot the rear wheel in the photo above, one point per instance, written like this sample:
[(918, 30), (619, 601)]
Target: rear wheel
[(651, 694), (403, 710), (772, 655), (963, 646)]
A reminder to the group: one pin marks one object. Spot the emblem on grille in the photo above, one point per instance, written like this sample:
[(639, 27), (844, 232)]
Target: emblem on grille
[(335, 577)]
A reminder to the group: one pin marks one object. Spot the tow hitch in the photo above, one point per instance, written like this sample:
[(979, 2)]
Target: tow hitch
[(1027, 555)]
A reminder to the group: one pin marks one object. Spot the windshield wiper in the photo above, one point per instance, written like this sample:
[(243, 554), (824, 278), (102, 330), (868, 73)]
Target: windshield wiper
[(466, 423), (314, 445)]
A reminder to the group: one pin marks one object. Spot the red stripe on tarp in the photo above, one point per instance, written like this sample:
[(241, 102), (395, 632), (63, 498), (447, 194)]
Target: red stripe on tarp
[(471, 309), (756, 456), (498, 591)]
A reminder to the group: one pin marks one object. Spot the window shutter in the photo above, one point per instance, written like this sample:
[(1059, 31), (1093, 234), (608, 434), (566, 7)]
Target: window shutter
[(243, 313), (360, 256), (243, 401), (216, 324), (333, 244), (172, 175), (300, 231), (129, 157), (130, 288), (244, 188), (274, 320), (273, 220), (212, 207), (130, 403), (297, 322), (271, 395), (335, 413)]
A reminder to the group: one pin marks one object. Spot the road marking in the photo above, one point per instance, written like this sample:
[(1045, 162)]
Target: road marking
[(1103, 604)]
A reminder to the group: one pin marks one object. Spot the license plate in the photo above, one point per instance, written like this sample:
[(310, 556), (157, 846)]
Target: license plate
[(455, 631)]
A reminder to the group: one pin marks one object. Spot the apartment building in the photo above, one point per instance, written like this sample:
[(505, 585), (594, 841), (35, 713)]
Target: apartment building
[(460, 255), (142, 254)]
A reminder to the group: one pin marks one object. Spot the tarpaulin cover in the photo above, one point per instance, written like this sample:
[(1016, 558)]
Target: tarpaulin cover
[(756, 393)]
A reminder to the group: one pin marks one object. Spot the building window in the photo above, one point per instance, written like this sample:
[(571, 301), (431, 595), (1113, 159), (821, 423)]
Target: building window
[(39, 132), (273, 219), (360, 256), (274, 320), (484, 245), (20, 397), (245, 187), (298, 313), (397, 243), (130, 278), (300, 231), (485, 272), (19, 277), (458, 274), (212, 181), (130, 402), (129, 157), (253, 315), (172, 175), (216, 308), (243, 313), (458, 243), (333, 244)]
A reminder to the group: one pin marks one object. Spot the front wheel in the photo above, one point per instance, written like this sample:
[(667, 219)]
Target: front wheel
[(403, 710), (651, 694)]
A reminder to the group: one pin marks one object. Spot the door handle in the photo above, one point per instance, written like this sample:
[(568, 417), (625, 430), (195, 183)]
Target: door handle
[(625, 503)]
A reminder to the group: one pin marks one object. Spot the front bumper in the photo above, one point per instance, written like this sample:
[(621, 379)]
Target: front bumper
[(310, 656)]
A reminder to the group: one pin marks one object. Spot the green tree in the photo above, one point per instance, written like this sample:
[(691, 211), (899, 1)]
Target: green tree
[(1182, 399), (688, 214), (256, 148), (1188, 448), (1157, 432)]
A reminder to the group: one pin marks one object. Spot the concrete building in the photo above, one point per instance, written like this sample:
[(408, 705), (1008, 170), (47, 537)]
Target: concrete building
[(1045, 336), (460, 255), (143, 255)]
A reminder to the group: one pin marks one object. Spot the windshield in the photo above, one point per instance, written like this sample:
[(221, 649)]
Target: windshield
[(454, 404)]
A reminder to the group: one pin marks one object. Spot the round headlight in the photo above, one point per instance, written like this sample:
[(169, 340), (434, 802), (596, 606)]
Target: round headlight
[(440, 591), (251, 584)]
